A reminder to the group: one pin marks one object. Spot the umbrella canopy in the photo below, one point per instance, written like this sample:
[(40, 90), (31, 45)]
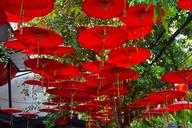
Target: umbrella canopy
[(104, 9), (165, 96), (180, 77), (27, 7), (185, 4), (39, 37), (102, 38), (11, 110), (137, 32), (140, 15), (128, 56)]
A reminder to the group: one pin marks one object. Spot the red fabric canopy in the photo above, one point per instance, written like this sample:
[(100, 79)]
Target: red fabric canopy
[(102, 37), (128, 56), (185, 4), (104, 9), (29, 7), (39, 37)]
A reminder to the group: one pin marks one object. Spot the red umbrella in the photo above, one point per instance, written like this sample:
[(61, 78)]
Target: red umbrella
[(3, 16), (63, 72), (140, 14), (15, 18), (128, 56), (96, 66), (42, 64), (49, 103), (49, 110), (181, 77), (18, 45), (114, 91), (28, 115), (98, 83), (27, 7), (90, 107), (59, 51), (185, 4), (144, 102), (181, 105), (4, 73), (104, 9), (11, 110), (119, 74), (102, 37), (163, 110), (165, 96), (137, 32), (39, 37)]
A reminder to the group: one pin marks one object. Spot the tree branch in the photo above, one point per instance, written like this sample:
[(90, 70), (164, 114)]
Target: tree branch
[(172, 38)]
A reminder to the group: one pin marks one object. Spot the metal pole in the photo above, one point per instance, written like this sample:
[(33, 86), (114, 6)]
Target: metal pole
[(9, 83)]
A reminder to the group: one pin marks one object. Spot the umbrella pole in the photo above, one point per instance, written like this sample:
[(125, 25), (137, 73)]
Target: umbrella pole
[(9, 83)]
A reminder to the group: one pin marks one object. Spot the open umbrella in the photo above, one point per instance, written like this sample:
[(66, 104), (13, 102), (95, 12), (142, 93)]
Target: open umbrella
[(104, 9), (140, 15), (39, 37), (102, 38), (128, 56), (137, 31), (11, 111), (185, 4), (180, 77)]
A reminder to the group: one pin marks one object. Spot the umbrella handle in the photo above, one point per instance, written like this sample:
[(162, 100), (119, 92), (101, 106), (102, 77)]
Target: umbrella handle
[(11, 121)]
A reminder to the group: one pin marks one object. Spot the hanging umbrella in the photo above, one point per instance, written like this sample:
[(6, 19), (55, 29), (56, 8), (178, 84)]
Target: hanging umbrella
[(63, 72), (3, 18), (119, 74), (49, 103), (11, 111), (59, 50), (114, 91), (128, 56), (43, 65), (140, 15), (185, 4), (165, 96), (102, 38), (15, 18), (137, 31), (39, 37), (49, 110), (104, 9), (96, 66), (180, 77), (27, 7)]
